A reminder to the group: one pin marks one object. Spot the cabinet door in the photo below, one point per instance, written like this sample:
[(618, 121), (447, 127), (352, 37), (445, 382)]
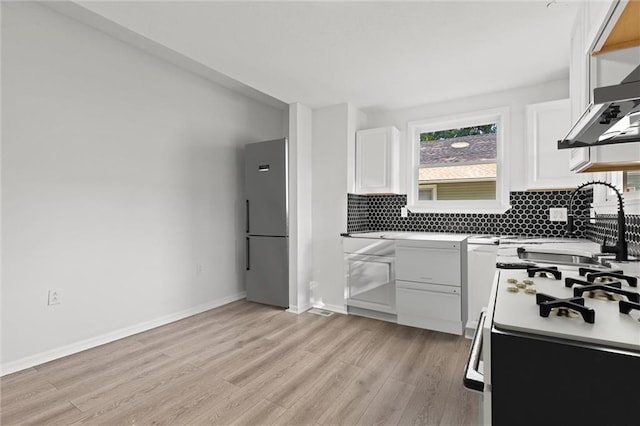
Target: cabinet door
[(481, 261), (370, 282), (546, 165), (578, 85), (376, 160)]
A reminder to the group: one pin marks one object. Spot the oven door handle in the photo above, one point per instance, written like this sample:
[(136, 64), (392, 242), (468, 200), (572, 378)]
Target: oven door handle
[(473, 379)]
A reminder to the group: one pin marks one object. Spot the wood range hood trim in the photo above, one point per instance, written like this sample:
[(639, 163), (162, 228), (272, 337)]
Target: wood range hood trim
[(612, 166), (626, 31)]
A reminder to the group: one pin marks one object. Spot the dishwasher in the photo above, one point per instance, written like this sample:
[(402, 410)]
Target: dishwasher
[(370, 271)]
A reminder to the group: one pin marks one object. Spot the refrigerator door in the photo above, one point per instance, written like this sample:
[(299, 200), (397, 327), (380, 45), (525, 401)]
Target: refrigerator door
[(267, 271), (266, 188)]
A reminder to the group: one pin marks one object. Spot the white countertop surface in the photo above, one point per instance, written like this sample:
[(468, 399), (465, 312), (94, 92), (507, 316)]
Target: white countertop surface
[(508, 251), (409, 235)]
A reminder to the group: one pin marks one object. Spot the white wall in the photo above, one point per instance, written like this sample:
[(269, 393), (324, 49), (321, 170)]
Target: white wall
[(516, 100), (300, 210), (329, 204), (121, 187), (333, 146)]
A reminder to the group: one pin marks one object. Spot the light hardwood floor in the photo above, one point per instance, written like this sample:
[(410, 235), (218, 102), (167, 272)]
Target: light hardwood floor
[(245, 363)]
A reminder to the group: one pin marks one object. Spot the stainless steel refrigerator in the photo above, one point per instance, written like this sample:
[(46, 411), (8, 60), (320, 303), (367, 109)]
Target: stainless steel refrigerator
[(267, 239)]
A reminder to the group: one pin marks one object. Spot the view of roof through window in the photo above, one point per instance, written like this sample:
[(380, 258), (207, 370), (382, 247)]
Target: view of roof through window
[(458, 163)]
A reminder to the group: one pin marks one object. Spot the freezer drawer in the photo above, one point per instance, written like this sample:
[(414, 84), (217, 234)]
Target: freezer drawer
[(267, 271), (435, 307)]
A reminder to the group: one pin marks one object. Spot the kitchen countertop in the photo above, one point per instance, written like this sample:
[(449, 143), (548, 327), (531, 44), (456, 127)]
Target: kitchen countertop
[(508, 245), (408, 235), (508, 252), (508, 249)]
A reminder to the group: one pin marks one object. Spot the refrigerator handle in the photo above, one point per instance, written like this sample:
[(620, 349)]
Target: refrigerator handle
[(248, 255), (247, 216)]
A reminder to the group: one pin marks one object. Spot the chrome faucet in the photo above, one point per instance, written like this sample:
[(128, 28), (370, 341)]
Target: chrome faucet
[(620, 249)]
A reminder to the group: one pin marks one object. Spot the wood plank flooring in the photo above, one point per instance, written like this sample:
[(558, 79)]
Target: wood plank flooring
[(250, 364)]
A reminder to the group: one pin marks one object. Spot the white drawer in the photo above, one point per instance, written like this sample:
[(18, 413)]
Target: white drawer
[(370, 246), (429, 306), (431, 265)]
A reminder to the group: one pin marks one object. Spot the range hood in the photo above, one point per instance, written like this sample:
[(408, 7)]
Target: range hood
[(613, 118)]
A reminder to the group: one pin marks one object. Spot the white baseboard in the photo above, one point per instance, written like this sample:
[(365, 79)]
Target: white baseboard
[(50, 355), (334, 308), (296, 310), (293, 309)]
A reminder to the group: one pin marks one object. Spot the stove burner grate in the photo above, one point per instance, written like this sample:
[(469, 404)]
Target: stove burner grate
[(547, 303), (553, 270), (584, 271), (612, 287), (632, 281), (627, 307)]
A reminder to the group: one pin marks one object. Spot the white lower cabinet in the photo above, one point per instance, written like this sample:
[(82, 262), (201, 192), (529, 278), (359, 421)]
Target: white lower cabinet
[(481, 270), (370, 273), (371, 283), (431, 277)]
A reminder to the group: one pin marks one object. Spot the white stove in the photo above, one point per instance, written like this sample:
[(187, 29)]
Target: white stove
[(551, 348), (516, 307)]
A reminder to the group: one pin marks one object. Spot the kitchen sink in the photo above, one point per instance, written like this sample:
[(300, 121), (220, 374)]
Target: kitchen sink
[(557, 258)]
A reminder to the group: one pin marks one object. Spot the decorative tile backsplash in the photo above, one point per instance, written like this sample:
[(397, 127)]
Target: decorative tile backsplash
[(528, 216), (357, 213), (609, 228)]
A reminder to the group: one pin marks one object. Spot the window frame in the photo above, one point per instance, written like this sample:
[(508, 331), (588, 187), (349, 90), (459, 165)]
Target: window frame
[(500, 116), (434, 191)]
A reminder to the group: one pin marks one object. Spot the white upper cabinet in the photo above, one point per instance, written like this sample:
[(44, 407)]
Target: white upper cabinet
[(547, 165), (578, 85), (594, 23), (377, 160)]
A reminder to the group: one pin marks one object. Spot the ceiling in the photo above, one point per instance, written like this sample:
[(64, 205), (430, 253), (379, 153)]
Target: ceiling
[(375, 55)]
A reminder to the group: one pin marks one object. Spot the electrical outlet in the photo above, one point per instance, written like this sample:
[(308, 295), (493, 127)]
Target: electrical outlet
[(404, 212), (54, 297), (558, 214)]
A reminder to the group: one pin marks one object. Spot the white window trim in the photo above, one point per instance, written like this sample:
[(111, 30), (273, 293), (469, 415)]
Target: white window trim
[(414, 128), (433, 188)]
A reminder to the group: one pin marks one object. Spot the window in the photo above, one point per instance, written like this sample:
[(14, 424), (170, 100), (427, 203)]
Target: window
[(456, 163), (631, 181)]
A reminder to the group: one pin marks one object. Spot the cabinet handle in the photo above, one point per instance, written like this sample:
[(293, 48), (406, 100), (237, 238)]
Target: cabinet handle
[(473, 379)]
